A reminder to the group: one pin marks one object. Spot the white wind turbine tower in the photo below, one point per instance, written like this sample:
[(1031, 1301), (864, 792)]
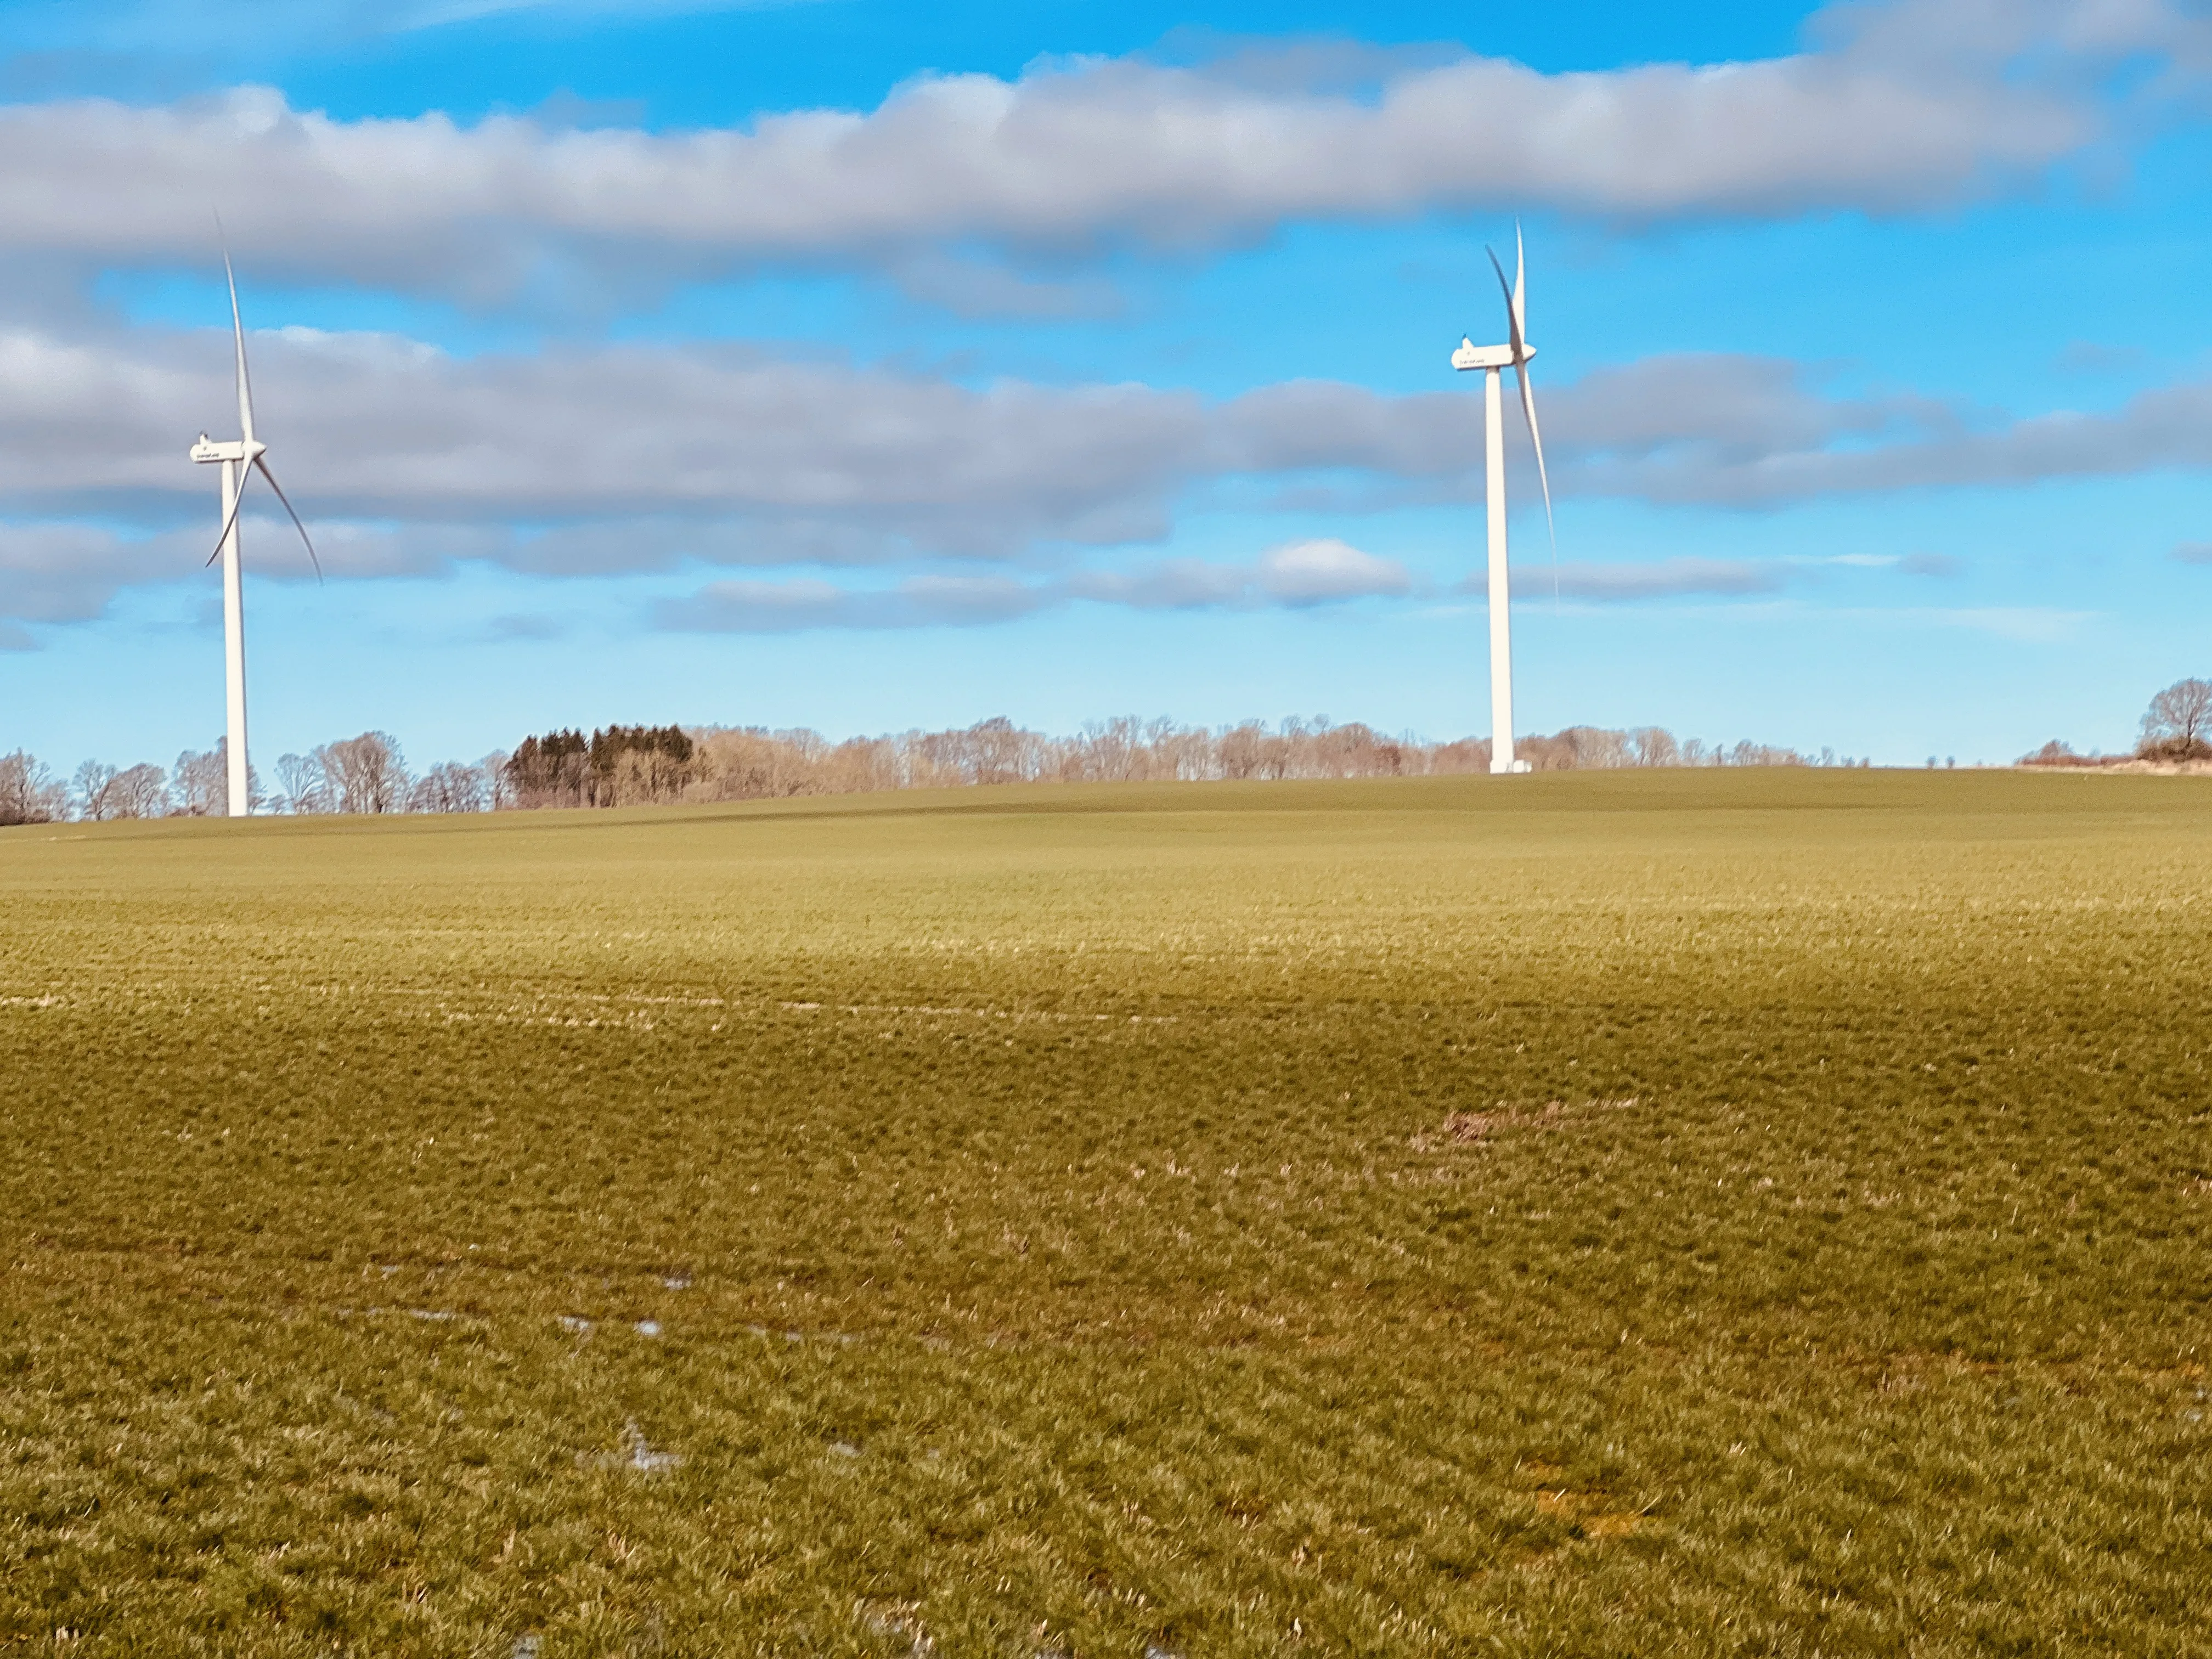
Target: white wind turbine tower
[(1493, 361), (238, 461)]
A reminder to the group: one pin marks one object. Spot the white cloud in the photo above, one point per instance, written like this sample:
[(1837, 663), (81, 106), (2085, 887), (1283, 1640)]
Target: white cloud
[(1930, 564), (1297, 575), (1324, 572), (1166, 585), (1670, 578), (1899, 107), (787, 607)]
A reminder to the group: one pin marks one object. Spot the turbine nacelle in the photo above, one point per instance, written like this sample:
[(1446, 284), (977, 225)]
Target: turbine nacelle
[(209, 450), (1471, 355)]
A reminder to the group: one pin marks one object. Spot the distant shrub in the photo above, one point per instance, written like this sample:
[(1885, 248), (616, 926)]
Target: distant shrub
[(2057, 753)]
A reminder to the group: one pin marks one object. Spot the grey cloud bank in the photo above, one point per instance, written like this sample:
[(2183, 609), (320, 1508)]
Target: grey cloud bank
[(829, 456), (1296, 576), (578, 462), (834, 459), (1901, 107), (62, 573)]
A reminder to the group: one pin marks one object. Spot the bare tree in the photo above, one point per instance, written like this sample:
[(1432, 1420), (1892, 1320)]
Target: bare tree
[(366, 774), (203, 790), (304, 789), (998, 751), (1468, 755), (94, 784), (2179, 722), (202, 783), (1242, 750), (1114, 751), (448, 786), (1597, 748), (499, 787), (1748, 753), (140, 792), (29, 791)]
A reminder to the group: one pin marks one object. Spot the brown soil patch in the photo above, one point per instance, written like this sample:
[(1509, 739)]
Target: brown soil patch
[(1475, 1128)]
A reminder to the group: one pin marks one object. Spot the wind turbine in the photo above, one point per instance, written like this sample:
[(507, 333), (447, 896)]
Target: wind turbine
[(238, 461), (1493, 361)]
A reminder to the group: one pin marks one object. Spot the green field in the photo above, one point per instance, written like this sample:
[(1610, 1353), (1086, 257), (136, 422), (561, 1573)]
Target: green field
[(1684, 1212)]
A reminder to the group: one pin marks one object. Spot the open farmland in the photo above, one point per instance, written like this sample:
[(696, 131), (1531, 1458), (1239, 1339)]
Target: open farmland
[(1607, 1213)]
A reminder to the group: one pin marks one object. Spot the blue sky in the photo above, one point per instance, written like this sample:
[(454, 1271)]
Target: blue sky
[(865, 366)]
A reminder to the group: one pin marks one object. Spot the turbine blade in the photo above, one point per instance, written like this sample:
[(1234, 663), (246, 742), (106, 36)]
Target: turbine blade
[(237, 503), (1536, 439), (1512, 306), (1520, 273), (238, 334), (302, 528), (1521, 373), (1513, 298)]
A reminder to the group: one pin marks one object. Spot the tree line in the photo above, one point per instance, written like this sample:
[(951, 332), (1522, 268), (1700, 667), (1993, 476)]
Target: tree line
[(366, 774), (637, 765), (2176, 730), (741, 763)]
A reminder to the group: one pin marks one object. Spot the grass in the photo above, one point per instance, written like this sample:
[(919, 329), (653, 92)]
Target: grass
[(1697, 1213)]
